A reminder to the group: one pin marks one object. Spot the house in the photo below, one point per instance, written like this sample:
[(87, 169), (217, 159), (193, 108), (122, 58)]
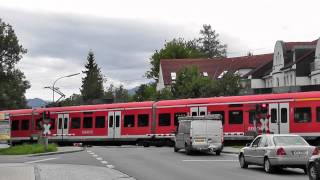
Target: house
[(214, 68)]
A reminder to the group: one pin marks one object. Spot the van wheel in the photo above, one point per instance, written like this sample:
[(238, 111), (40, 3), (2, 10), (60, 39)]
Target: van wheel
[(188, 149), (176, 149), (218, 153)]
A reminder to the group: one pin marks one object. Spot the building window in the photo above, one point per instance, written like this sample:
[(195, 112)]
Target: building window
[(235, 117), (128, 121), (302, 115), (291, 79), (205, 74), (278, 83), (164, 119), (176, 117), (143, 120), (222, 74), (87, 122), (285, 80), (25, 124), (75, 123), (15, 125), (173, 76), (100, 122)]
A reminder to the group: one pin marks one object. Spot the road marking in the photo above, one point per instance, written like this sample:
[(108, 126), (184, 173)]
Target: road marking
[(206, 160), (110, 166), (95, 155), (99, 158), (89, 151), (48, 159), (104, 162)]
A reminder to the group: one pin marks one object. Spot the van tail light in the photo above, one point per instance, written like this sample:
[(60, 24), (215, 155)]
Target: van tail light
[(315, 151), (281, 152)]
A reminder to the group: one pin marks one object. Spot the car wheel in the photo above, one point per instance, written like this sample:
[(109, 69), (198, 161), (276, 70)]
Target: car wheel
[(312, 172), (218, 153), (242, 162), (267, 166)]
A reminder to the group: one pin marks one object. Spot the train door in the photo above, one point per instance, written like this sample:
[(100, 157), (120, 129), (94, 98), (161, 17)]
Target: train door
[(279, 121), (63, 124), (114, 124), (198, 111)]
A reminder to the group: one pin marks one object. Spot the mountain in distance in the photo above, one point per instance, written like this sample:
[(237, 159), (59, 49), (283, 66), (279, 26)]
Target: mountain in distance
[(36, 102), (133, 91)]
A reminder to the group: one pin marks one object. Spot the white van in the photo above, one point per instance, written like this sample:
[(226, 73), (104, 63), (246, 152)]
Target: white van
[(199, 133)]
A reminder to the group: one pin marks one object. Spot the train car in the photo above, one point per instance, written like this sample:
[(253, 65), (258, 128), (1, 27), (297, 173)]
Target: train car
[(147, 122)]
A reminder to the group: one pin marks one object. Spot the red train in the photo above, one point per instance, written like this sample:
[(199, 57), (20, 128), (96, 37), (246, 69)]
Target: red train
[(146, 122)]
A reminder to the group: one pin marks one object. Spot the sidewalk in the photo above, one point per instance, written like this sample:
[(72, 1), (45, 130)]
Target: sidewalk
[(61, 172), (230, 150)]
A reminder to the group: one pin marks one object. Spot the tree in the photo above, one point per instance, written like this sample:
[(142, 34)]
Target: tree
[(121, 94), (12, 81), (228, 85), (92, 83), (210, 44), (190, 84), (175, 49)]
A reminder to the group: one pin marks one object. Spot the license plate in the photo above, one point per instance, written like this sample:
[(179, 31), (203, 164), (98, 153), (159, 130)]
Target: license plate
[(299, 153), (199, 140)]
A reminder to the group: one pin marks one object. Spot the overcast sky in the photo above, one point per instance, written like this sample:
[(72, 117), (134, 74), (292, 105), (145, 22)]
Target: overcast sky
[(124, 33)]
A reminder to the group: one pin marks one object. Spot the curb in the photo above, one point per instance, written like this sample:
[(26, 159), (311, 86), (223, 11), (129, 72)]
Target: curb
[(230, 152), (53, 153)]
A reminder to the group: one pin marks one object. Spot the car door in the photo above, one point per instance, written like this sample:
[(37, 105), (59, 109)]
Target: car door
[(250, 152), (261, 150)]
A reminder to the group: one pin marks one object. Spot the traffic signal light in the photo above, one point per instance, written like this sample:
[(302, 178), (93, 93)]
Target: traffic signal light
[(262, 108)]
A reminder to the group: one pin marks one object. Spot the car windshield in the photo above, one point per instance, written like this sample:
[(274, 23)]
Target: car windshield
[(289, 141)]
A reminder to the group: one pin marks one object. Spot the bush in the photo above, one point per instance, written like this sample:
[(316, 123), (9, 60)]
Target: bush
[(28, 149)]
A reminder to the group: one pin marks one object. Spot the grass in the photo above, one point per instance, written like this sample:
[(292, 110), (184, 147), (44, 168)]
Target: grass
[(27, 149)]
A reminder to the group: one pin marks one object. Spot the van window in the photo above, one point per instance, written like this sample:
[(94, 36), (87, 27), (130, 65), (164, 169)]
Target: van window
[(177, 115), (25, 124), (302, 115), (100, 122), (15, 125), (273, 115), (235, 117), (75, 123), (87, 122), (143, 120), (128, 121), (252, 116), (219, 112), (164, 119)]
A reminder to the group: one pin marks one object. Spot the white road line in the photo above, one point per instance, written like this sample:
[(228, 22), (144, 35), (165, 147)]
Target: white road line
[(48, 159), (89, 151), (206, 160), (110, 166), (94, 155), (99, 158), (104, 162)]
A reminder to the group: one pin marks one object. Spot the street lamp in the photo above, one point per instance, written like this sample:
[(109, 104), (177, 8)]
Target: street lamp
[(59, 79)]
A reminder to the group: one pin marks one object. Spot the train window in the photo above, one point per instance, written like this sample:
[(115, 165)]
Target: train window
[(110, 121), (194, 114), (302, 115), (176, 115), (87, 122), (273, 115), (219, 112), (117, 120), (60, 123), (25, 125), (15, 125), (39, 124), (164, 119), (235, 117), (318, 114), (65, 123), (284, 115), (143, 120), (100, 122), (252, 116), (202, 113), (75, 123), (128, 121)]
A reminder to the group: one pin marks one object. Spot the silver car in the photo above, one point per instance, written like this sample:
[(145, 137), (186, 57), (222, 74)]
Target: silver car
[(275, 151)]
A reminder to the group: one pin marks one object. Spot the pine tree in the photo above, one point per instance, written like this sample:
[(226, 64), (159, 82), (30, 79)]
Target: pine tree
[(92, 83)]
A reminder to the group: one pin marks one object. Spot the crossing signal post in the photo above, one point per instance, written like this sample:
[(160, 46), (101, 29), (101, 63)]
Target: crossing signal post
[(46, 127), (261, 117)]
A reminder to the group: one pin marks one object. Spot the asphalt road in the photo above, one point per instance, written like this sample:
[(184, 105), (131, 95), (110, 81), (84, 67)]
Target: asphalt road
[(154, 163)]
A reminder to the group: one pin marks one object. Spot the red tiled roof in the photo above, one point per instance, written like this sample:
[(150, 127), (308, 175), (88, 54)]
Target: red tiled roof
[(290, 45), (214, 67)]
